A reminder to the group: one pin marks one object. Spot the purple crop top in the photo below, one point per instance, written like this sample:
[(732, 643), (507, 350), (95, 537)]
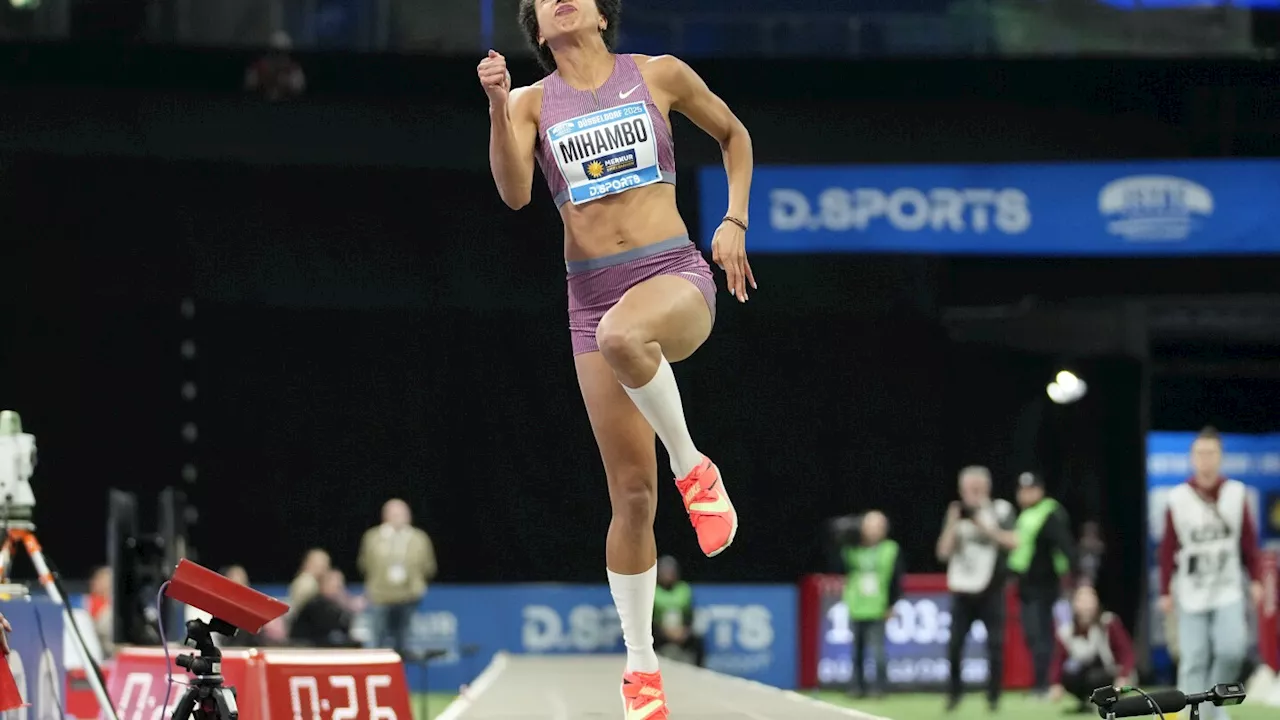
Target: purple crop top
[(590, 149)]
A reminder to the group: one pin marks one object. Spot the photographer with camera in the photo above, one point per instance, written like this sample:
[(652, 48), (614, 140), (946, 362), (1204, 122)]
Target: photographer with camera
[(874, 570), (673, 632), (971, 546)]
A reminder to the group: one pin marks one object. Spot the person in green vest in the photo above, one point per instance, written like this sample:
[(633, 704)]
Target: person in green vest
[(1042, 556), (673, 634), (873, 584)]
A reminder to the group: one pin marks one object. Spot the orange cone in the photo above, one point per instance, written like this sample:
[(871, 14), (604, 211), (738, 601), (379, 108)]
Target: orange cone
[(10, 696)]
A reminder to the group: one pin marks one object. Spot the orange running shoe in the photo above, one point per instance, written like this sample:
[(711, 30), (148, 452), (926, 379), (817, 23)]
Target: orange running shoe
[(710, 511), (643, 698)]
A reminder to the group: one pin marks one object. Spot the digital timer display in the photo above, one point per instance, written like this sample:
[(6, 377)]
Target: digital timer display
[(915, 643)]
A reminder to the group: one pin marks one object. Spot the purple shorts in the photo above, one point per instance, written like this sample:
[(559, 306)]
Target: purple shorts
[(598, 284)]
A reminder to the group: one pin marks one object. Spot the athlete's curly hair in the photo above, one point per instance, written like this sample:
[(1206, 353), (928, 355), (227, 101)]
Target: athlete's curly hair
[(610, 10)]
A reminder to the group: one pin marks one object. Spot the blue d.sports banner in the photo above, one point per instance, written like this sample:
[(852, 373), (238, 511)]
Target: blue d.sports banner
[(1147, 208), (749, 630)]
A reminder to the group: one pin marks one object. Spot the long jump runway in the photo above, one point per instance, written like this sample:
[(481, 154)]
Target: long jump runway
[(585, 687)]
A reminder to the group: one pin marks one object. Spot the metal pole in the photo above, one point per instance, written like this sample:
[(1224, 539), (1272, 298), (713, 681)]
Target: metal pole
[(46, 579)]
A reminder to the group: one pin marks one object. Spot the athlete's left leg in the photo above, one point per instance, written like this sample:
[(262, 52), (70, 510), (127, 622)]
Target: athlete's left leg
[(662, 320)]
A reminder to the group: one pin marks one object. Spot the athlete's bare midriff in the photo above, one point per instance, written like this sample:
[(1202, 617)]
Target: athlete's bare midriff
[(633, 219)]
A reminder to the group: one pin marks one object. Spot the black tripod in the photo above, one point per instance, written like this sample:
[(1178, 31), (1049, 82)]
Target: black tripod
[(205, 698)]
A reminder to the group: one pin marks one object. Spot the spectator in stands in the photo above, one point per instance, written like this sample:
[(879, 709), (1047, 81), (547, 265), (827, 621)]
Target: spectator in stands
[(673, 631), (236, 574), (273, 633), (1092, 550), (325, 621), (873, 584), (973, 544), (1043, 555), (100, 607), (397, 560), (307, 583), (276, 76), (1091, 651)]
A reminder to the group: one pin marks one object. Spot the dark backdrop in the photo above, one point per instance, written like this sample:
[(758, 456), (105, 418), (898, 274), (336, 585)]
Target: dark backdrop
[(366, 334), (364, 331)]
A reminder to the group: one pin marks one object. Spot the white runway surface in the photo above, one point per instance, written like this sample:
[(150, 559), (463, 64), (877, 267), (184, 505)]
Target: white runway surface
[(586, 687)]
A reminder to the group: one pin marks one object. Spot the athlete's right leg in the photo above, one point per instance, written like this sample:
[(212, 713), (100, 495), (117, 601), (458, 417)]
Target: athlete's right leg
[(659, 321), (627, 447), (1194, 644)]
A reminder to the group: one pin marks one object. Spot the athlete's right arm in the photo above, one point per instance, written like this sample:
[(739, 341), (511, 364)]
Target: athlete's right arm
[(513, 128)]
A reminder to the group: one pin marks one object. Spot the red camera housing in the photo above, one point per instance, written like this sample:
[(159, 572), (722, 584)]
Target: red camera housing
[(241, 606)]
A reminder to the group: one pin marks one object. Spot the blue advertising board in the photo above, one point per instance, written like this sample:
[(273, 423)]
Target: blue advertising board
[(36, 654), (1252, 459), (1140, 208), (749, 630)]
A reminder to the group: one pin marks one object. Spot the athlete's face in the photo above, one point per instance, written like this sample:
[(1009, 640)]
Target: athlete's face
[(560, 18), (1206, 458)]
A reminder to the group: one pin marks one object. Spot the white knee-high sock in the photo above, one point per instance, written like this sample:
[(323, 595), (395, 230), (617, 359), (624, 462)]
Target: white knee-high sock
[(659, 402), (633, 597)]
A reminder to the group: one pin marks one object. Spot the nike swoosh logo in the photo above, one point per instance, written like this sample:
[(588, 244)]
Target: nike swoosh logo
[(644, 711), (719, 505), (627, 94)]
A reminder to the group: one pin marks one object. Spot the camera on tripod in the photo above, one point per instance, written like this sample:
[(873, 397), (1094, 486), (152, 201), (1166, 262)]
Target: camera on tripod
[(200, 636), (233, 606)]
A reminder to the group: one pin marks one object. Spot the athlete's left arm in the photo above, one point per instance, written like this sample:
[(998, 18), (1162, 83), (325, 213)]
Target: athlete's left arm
[(691, 97)]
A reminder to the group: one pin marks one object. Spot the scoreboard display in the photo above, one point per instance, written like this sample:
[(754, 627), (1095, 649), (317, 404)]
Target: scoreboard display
[(915, 642), (916, 638)]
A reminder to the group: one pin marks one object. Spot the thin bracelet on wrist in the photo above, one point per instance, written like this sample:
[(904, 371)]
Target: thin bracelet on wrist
[(735, 221)]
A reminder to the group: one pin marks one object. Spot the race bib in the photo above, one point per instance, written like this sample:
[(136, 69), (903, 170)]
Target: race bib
[(869, 583), (606, 152)]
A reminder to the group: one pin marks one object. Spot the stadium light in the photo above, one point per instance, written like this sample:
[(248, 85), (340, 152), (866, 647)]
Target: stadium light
[(1066, 388)]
